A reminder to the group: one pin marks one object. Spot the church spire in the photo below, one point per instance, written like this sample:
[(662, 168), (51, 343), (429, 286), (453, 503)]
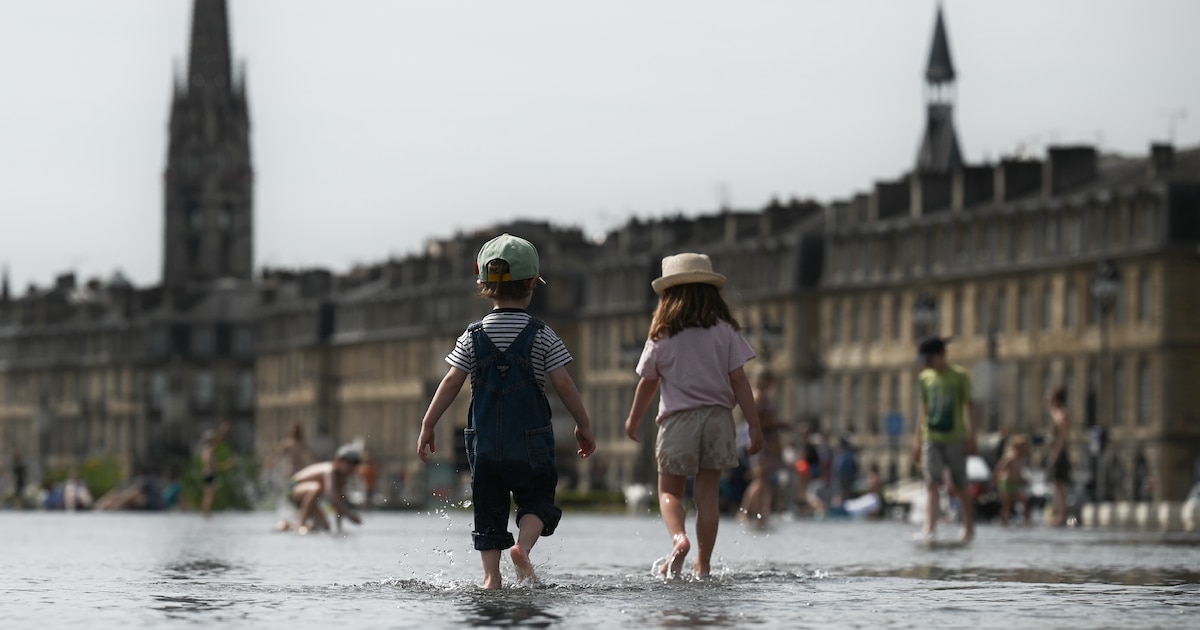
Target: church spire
[(208, 63), (208, 227), (939, 152), (940, 68)]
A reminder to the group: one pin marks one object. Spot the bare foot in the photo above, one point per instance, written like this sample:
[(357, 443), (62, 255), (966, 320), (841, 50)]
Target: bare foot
[(524, 567), (674, 563), (283, 526), (967, 535), (701, 569), (491, 582)]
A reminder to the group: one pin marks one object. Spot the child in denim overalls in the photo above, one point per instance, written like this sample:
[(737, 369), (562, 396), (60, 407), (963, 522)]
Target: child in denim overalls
[(510, 441), (695, 351)]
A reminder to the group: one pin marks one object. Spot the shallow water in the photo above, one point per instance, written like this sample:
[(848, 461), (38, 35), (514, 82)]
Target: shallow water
[(417, 570)]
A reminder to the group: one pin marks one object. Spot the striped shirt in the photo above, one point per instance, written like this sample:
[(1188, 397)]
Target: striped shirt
[(502, 326)]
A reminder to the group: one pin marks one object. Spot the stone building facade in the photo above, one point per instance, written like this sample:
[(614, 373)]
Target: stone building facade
[(833, 298)]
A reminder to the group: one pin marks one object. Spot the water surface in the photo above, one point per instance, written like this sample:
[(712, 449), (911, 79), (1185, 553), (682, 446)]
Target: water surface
[(417, 570)]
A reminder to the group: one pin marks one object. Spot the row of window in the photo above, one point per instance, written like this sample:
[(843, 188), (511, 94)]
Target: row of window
[(203, 392), (1048, 305), (988, 242)]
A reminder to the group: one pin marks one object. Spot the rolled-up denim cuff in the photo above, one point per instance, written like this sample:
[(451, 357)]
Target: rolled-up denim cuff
[(548, 512), (488, 542)]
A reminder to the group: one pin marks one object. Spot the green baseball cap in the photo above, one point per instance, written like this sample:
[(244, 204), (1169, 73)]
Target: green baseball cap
[(520, 254)]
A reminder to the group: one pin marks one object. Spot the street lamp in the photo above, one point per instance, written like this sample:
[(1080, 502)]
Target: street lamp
[(925, 315), (1106, 286)]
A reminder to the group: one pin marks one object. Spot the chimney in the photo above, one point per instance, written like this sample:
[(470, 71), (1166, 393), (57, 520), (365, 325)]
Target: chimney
[(973, 185), (891, 199), (65, 282), (930, 192), (1162, 159), (1016, 178), (1067, 168)]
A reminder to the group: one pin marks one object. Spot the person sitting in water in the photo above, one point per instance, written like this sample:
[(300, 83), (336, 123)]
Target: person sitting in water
[(327, 479)]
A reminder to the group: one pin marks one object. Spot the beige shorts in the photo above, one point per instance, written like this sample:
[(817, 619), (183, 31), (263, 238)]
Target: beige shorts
[(696, 439)]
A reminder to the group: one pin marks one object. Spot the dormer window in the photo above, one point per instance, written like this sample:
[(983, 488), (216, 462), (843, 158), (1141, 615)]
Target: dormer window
[(195, 217)]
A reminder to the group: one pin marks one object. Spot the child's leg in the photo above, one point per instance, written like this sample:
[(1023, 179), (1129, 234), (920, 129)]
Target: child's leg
[(531, 528), (932, 497), (968, 512), (311, 514), (708, 516), (1005, 506), (491, 568), (671, 490)]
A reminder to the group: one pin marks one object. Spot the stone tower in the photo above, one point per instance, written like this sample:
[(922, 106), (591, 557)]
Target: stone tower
[(939, 151), (208, 227)]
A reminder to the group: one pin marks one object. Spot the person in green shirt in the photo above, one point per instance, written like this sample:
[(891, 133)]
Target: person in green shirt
[(946, 433)]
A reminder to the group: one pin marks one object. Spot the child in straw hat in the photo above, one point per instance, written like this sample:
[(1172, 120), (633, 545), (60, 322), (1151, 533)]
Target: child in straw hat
[(696, 355)]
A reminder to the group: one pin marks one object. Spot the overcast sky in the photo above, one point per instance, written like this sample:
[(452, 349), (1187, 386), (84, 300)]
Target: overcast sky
[(379, 124)]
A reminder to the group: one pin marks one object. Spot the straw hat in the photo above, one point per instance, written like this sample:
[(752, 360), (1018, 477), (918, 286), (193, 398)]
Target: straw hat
[(686, 269)]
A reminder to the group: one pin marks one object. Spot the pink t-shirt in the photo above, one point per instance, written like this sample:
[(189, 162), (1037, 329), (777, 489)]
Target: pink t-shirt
[(693, 366)]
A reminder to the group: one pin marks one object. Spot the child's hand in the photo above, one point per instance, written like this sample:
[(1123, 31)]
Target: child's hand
[(631, 428), (426, 439), (756, 440), (587, 443)]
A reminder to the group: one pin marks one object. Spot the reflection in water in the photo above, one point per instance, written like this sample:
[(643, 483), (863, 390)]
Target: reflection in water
[(511, 607), (173, 606), (196, 572), (203, 568), (1132, 576)]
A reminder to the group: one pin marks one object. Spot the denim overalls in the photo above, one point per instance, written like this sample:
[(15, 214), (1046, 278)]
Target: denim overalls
[(510, 441)]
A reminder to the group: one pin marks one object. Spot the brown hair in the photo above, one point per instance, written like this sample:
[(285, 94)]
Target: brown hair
[(506, 290), (692, 305), (1059, 396)]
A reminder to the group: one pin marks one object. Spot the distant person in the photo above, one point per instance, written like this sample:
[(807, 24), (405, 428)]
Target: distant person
[(1059, 461), (19, 480), (871, 502), (696, 355), (845, 468), (821, 496), (76, 495), (323, 480), (946, 435), (210, 467), (369, 473), (141, 493), (765, 466), (509, 355), (293, 449), (1010, 478)]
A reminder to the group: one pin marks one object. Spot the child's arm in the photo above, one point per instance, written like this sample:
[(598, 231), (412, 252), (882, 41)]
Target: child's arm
[(338, 499), (744, 396), (641, 402), (1000, 473), (451, 383), (569, 394)]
